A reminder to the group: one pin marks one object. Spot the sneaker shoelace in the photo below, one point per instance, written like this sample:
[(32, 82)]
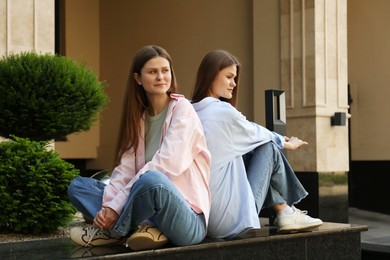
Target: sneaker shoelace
[(143, 227), (304, 212), (91, 232)]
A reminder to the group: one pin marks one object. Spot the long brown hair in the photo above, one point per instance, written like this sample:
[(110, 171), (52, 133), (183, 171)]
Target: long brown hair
[(136, 102), (211, 65)]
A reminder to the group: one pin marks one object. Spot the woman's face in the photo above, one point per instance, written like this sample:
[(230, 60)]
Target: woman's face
[(155, 76), (224, 83)]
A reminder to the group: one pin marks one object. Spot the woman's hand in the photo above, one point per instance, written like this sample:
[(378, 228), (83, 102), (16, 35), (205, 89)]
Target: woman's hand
[(293, 143), (105, 218)]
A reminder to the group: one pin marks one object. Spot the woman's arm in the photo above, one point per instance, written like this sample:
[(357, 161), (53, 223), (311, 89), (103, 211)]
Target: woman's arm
[(115, 193)]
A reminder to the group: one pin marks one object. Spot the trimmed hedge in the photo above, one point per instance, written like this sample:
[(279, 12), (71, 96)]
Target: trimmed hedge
[(46, 96), (33, 187)]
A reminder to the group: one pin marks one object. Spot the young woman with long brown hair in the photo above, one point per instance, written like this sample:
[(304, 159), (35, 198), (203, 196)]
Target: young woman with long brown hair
[(248, 169), (161, 182)]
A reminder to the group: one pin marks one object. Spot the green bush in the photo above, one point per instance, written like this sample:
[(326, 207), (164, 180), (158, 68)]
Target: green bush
[(33, 187), (45, 96)]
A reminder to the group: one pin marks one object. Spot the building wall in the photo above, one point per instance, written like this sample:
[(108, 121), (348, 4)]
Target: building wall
[(81, 42), (186, 29), (250, 29), (266, 53), (106, 34), (369, 78)]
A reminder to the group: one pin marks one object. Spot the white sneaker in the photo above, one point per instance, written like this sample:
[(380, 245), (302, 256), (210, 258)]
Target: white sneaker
[(297, 221), (92, 236), (146, 237)]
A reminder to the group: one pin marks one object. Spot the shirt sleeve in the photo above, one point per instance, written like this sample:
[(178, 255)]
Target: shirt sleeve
[(122, 175), (230, 134), (279, 140)]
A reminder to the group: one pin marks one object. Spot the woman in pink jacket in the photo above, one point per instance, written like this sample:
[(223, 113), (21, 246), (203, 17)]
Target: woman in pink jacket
[(159, 191)]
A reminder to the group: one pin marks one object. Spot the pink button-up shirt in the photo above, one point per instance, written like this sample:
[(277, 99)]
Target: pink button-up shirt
[(183, 157)]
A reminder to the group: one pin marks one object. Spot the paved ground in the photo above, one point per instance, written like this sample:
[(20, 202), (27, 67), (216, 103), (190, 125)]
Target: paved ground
[(377, 238)]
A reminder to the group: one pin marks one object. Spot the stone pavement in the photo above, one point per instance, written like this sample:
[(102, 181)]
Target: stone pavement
[(377, 238)]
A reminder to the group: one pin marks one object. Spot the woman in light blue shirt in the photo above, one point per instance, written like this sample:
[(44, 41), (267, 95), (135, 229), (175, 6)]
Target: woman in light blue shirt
[(248, 170)]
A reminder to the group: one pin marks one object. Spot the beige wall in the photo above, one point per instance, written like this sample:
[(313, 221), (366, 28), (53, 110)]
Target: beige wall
[(369, 78), (82, 43), (266, 53), (187, 30), (106, 35), (250, 29)]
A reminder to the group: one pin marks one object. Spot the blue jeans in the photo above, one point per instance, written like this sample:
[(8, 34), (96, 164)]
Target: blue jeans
[(152, 197), (271, 177)]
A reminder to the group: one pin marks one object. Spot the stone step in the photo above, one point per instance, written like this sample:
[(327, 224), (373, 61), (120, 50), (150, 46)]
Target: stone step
[(330, 241)]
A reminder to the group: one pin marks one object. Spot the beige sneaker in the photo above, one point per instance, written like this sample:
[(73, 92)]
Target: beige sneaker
[(92, 236), (146, 237), (297, 221)]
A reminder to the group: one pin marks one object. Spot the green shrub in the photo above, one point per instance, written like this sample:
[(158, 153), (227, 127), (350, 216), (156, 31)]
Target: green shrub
[(33, 187), (45, 96)]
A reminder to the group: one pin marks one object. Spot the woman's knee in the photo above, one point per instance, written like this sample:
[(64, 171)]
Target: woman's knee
[(75, 185), (152, 180), (269, 146), (153, 177), (264, 150)]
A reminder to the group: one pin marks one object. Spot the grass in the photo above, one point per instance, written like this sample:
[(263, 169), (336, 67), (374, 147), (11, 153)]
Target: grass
[(332, 178)]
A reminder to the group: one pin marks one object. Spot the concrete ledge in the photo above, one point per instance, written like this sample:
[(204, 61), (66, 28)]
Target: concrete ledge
[(330, 241)]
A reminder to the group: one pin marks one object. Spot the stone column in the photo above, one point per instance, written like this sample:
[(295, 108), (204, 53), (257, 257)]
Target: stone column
[(314, 76), (26, 25)]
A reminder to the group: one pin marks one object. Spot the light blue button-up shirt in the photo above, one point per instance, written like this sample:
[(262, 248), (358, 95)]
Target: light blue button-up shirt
[(229, 136)]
